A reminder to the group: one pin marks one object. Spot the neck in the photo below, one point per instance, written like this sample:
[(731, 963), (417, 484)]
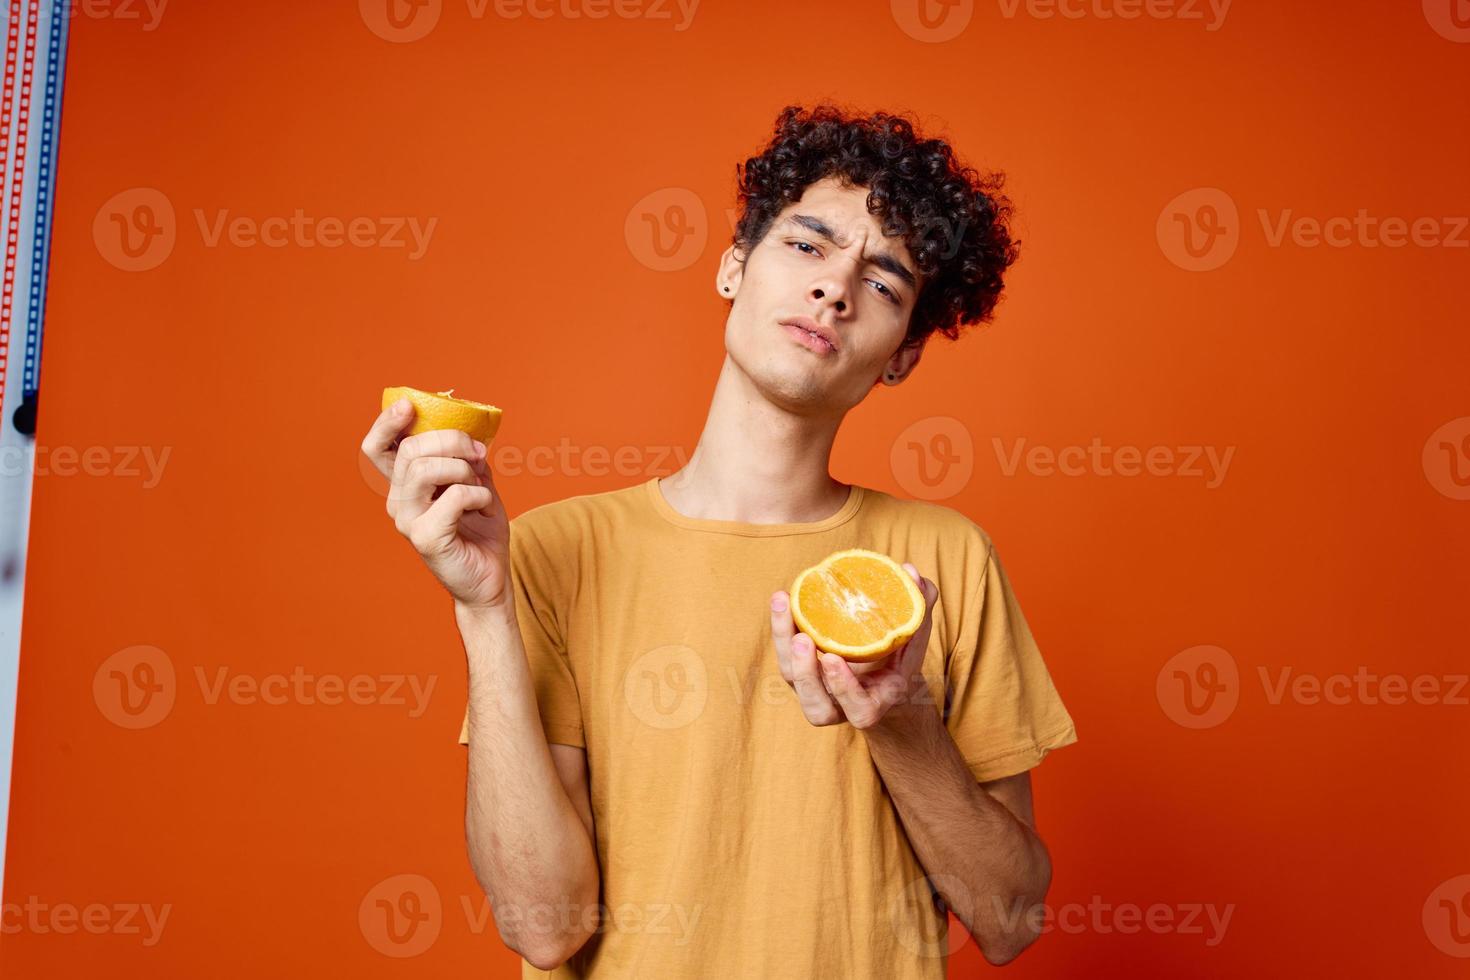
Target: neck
[(757, 462)]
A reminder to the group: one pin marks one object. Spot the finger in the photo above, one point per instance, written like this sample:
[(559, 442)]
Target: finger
[(884, 672), (428, 473), (865, 668), (435, 442), (930, 592), (781, 631), (377, 445), (860, 707), (906, 665), (411, 496), (436, 529), (816, 703), (892, 688), (892, 685), (928, 589)]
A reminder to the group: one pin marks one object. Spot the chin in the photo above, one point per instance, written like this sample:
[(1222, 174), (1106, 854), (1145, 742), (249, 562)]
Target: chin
[(792, 388)]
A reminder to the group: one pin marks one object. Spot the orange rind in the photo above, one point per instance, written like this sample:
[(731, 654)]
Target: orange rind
[(440, 410)]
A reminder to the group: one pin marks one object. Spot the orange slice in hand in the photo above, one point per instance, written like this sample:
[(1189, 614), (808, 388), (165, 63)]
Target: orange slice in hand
[(861, 605), (441, 411)]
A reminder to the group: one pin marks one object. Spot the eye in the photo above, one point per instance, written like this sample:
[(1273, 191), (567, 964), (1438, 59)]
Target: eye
[(883, 290), (887, 293)]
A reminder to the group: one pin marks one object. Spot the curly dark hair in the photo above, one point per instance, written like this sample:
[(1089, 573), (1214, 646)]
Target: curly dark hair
[(953, 219)]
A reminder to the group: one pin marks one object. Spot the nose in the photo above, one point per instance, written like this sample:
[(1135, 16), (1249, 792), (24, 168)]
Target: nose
[(830, 289), (837, 278), (820, 293)]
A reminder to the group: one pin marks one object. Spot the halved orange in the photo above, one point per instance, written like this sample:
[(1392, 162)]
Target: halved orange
[(440, 410), (859, 604)]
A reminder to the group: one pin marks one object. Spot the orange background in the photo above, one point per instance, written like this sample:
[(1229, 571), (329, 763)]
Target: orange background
[(264, 548)]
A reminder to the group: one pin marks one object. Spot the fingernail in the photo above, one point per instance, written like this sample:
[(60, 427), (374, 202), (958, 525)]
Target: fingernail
[(479, 448), (400, 406), (778, 603), (802, 643)]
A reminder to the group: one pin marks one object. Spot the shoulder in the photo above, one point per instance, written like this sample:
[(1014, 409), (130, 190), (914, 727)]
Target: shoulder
[(926, 518)]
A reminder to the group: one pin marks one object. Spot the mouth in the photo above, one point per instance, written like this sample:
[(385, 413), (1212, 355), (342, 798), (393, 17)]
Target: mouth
[(810, 339)]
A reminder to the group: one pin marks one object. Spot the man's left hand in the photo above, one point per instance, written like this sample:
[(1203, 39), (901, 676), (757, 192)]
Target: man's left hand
[(830, 689)]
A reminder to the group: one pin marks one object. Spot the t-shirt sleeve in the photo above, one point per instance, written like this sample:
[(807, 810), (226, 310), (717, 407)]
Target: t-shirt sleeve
[(1004, 713), (540, 601)]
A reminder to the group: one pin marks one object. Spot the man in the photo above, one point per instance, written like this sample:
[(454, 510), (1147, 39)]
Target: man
[(665, 780)]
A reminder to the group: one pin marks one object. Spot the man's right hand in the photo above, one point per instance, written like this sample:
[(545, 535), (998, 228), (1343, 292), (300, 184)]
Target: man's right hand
[(442, 497)]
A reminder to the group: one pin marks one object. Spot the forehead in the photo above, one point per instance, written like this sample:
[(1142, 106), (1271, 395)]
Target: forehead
[(844, 211), (845, 208)]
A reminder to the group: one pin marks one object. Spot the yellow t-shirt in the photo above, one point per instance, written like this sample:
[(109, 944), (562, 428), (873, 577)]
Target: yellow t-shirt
[(734, 838)]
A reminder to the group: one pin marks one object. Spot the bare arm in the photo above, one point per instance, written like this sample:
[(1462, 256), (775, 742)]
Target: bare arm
[(528, 818), (977, 839), (528, 822)]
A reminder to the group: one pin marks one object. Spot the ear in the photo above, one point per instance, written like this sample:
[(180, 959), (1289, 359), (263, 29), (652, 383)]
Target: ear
[(903, 362), (730, 272)]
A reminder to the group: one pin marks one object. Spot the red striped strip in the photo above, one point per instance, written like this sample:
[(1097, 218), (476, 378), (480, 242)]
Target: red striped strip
[(15, 176)]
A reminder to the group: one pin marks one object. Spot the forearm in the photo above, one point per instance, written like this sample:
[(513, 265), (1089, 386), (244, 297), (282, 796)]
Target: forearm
[(528, 847), (989, 866)]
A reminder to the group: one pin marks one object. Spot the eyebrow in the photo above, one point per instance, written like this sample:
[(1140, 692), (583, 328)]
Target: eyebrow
[(883, 260)]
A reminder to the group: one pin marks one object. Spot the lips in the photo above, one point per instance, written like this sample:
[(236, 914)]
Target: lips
[(810, 334)]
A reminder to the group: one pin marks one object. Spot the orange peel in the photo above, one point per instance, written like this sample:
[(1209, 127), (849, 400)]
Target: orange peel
[(441, 410)]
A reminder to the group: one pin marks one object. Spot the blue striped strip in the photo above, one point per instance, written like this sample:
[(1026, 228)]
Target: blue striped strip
[(46, 163)]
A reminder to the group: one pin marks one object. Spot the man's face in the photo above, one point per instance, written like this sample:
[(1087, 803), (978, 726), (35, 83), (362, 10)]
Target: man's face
[(826, 259)]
